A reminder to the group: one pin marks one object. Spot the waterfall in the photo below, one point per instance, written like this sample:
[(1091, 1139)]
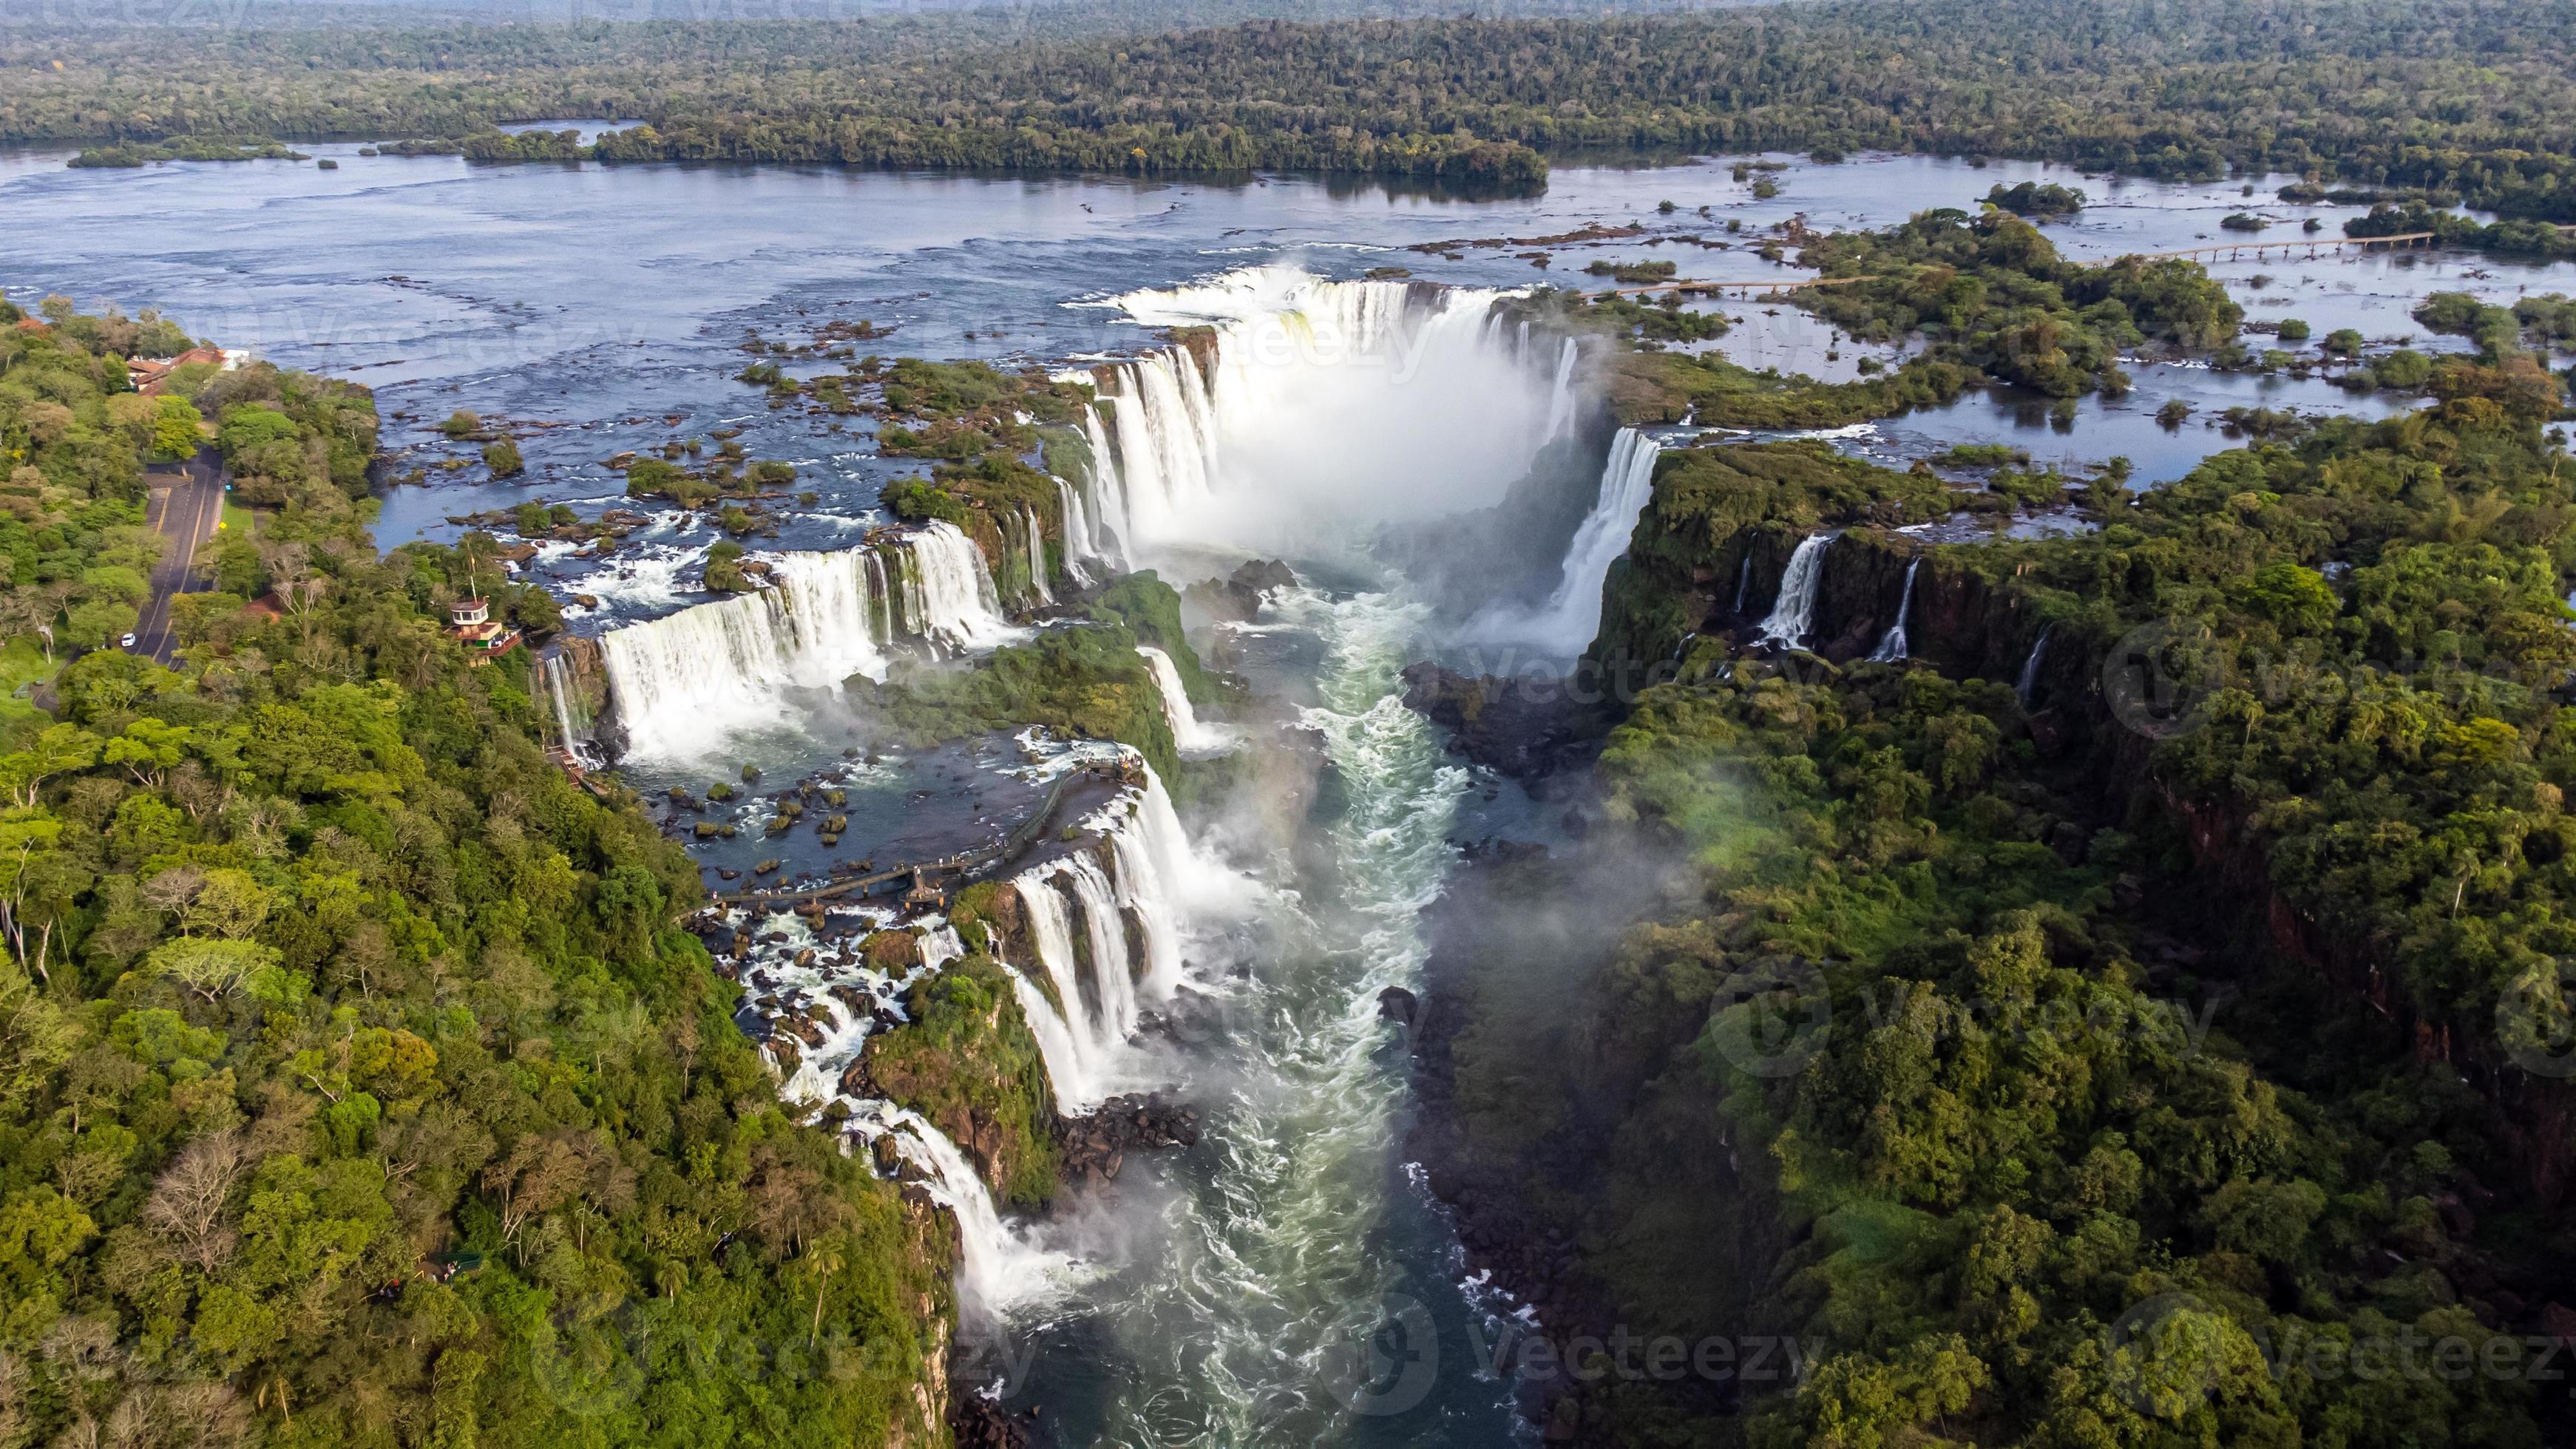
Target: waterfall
[(1166, 438), (572, 714), (1325, 402), (1037, 555), (684, 681), (1565, 624), (1077, 919), (1071, 1049), (1193, 737), (1892, 648), (2028, 684), (940, 945), (999, 1268), (1078, 546), (1093, 1025), (1794, 612), (1561, 399), (1743, 581), (1109, 520), (1159, 874), (1113, 975), (958, 606)]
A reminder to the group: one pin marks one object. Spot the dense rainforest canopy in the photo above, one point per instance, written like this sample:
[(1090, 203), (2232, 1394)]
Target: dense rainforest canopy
[(2136, 1018), (2466, 97), (356, 1086)]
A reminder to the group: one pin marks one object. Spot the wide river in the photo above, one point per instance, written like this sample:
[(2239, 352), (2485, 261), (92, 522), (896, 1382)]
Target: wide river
[(1223, 1296)]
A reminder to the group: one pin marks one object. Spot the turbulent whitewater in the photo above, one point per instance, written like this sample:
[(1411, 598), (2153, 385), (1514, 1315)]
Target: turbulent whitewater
[(1327, 402), (1566, 623), (684, 682), (1793, 613)]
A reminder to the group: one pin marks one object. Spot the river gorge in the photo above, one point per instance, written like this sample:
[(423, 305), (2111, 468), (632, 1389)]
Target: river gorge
[(1335, 430)]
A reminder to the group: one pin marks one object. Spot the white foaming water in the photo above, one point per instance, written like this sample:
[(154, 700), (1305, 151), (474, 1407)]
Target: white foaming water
[(1793, 613), (1277, 1260), (1892, 647), (1561, 398), (1108, 513), (1063, 1026), (959, 607), (572, 717), (1034, 545), (686, 681), (1165, 882), (1567, 622), (1003, 1269), (1193, 737), (1077, 534), (648, 578), (2028, 683), (1332, 403)]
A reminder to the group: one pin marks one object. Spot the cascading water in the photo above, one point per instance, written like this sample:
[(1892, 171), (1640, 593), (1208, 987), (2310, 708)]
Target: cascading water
[(1279, 1260), (687, 680), (572, 714), (1113, 976), (1108, 512), (1077, 920), (1743, 582), (1793, 613), (1566, 623), (684, 681), (1034, 547), (1891, 647), (1193, 737), (1562, 398), (1329, 401), (959, 608), (1074, 1050), (1166, 439), (2028, 684), (1000, 1268), (1078, 547)]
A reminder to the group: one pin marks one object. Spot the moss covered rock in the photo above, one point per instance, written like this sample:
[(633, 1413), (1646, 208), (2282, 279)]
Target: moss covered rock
[(967, 1062)]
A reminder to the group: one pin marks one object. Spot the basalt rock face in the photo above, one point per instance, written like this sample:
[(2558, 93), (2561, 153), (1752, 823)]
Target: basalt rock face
[(966, 1061), (1521, 727), (1096, 1144), (1237, 598), (979, 1423), (586, 671), (1539, 1131), (1710, 550), (1516, 548)]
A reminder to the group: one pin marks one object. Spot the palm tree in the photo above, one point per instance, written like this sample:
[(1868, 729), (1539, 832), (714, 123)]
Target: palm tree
[(823, 1258)]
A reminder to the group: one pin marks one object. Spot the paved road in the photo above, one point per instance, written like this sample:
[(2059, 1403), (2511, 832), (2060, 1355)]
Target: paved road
[(187, 503)]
